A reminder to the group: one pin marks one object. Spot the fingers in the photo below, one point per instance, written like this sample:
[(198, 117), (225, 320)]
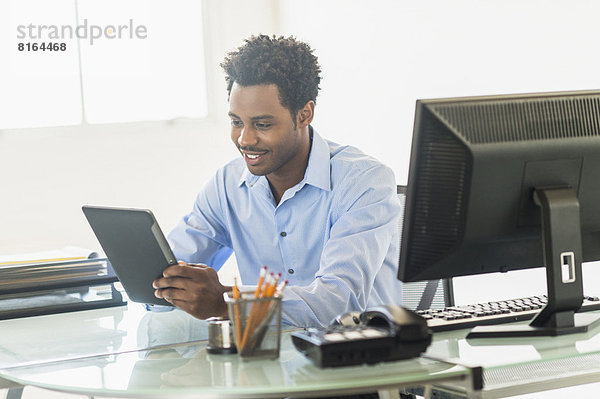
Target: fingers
[(171, 282), (181, 281), (185, 270), (177, 297), (194, 288), (169, 294), (173, 275)]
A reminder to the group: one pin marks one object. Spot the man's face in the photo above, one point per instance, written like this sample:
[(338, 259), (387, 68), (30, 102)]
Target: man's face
[(263, 130)]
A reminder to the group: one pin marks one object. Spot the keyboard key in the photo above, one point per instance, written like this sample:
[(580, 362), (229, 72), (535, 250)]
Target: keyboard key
[(495, 312)]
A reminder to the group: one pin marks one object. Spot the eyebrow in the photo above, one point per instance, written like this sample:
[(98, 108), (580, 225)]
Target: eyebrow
[(254, 118)]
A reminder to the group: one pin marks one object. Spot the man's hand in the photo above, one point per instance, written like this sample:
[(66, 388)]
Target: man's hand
[(193, 288)]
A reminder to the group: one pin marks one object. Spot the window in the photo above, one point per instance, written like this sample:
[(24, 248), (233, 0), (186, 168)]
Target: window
[(38, 88), (124, 61)]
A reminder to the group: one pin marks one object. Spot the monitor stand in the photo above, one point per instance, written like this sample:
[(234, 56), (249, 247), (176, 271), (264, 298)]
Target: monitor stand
[(561, 235)]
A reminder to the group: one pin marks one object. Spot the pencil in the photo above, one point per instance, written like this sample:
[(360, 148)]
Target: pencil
[(236, 297), (268, 284), (259, 312), (261, 278), (255, 308), (263, 307), (279, 290), (273, 286), (236, 291)]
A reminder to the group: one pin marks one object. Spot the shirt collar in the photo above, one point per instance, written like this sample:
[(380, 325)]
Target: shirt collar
[(317, 171)]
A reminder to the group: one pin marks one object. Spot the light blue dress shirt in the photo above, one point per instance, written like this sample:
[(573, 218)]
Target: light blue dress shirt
[(333, 236)]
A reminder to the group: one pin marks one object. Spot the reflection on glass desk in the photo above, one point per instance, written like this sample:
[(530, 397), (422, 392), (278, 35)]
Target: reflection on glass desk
[(515, 366), (34, 340), (188, 370), (127, 351)]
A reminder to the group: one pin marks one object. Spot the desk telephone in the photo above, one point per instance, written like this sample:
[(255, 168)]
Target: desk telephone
[(382, 333)]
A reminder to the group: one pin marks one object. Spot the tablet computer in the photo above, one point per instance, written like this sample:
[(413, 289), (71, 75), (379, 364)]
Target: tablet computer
[(135, 246)]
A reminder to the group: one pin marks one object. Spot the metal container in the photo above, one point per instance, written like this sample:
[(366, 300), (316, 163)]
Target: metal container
[(256, 324), (220, 336)]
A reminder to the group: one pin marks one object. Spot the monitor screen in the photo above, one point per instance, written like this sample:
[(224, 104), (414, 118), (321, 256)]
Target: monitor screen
[(500, 183)]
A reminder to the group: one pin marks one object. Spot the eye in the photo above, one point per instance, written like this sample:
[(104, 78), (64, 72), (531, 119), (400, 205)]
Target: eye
[(236, 123), (263, 125)]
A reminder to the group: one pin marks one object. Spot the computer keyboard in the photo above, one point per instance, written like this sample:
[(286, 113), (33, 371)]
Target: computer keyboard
[(498, 312)]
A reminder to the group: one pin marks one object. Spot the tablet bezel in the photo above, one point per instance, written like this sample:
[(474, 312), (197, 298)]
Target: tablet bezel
[(135, 246)]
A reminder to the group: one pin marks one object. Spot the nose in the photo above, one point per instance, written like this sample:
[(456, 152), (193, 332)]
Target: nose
[(247, 137)]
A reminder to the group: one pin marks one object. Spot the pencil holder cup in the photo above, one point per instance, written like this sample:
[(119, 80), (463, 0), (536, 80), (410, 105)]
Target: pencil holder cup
[(256, 325)]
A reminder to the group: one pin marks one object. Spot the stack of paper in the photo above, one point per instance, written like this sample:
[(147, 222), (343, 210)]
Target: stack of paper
[(27, 272), (57, 255), (55, 281)]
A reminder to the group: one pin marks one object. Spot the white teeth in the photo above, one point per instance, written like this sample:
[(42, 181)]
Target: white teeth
[(252, 156)]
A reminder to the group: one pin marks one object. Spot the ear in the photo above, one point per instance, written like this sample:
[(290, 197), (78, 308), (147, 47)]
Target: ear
[(305, 115)]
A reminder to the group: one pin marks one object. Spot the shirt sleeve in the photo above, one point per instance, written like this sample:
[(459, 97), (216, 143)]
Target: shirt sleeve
[(361, 235), (201, 236)]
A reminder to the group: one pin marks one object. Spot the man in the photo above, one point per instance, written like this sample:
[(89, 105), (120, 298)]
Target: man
[(323, 215)]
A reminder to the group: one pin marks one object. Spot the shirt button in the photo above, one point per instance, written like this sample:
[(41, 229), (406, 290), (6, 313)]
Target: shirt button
[(291, 271), (283, 234)]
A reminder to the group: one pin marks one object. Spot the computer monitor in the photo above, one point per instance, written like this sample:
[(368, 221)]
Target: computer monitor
[(499, 183)]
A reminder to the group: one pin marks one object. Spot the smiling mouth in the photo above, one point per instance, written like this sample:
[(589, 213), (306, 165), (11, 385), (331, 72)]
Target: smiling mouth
[(253, 158)]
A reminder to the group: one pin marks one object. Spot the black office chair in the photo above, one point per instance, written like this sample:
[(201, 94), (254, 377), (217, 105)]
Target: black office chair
[(432, 294)]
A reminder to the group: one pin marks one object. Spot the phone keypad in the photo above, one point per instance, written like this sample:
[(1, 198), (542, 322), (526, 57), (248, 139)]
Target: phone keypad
[(345, 333)]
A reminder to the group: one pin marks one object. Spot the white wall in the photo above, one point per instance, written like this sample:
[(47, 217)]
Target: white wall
[(46, 174), (377, 57)]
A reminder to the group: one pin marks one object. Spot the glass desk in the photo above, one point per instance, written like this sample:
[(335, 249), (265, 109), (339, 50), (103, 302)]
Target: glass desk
[(127, 352), (516, 366), (34, 340)]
